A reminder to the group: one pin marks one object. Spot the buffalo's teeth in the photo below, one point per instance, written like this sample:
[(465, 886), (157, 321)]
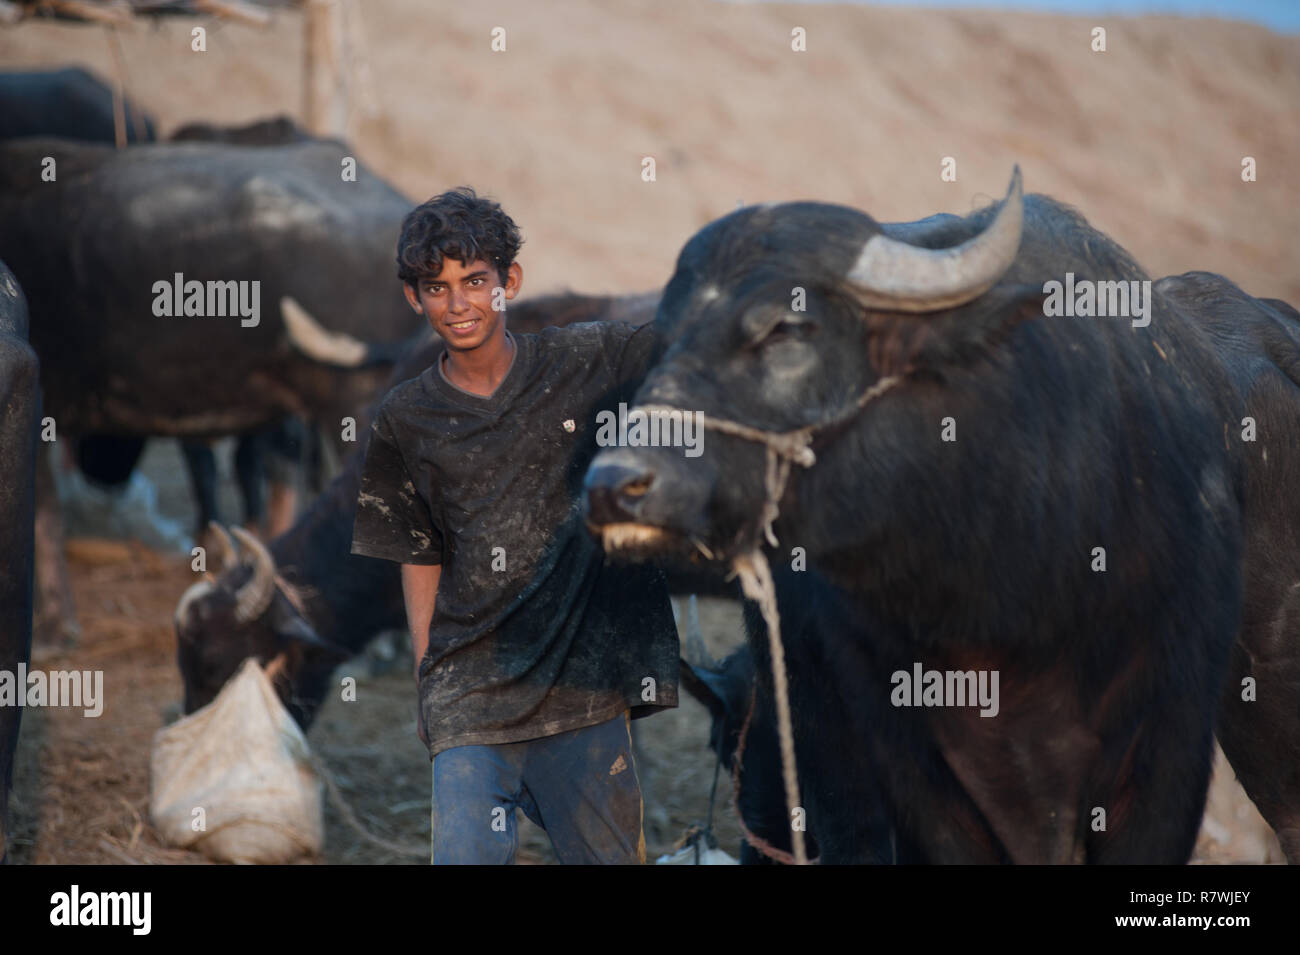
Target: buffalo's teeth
[(619, 536)]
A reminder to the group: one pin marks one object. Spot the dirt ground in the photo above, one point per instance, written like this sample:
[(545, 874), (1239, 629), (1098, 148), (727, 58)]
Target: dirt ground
[(1146, 140)]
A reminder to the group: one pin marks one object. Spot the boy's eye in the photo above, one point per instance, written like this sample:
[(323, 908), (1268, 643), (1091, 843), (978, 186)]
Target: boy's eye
[(477, 281)]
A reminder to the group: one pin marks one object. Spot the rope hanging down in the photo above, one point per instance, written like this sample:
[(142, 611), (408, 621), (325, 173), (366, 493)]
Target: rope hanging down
[(784, 448), (756, 581)]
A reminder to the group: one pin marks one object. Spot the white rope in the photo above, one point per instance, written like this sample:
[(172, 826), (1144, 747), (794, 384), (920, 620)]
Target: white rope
[(756, 581)]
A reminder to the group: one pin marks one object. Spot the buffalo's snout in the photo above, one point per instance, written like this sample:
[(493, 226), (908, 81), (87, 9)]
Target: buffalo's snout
[(646, 503), (616, 487)]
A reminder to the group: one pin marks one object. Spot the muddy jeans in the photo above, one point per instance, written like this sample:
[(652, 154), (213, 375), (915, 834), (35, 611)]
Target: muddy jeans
[(580, 786)]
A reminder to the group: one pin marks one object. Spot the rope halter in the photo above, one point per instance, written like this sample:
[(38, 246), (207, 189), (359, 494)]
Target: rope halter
[(784, 448)]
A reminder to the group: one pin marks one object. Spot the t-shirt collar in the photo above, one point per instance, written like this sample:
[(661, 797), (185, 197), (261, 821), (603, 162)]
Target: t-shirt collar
[(498, 392)]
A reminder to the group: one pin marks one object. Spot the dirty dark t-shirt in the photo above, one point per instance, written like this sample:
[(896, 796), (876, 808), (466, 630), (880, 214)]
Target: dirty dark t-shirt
[(533, 632)]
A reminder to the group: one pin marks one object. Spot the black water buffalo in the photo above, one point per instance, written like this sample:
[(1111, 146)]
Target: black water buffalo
[(120, 253), (306, 594), (285, 441), (74, 104), (1064, 505), (1259, 729), (69, 103), (19, 412), (108, 249)]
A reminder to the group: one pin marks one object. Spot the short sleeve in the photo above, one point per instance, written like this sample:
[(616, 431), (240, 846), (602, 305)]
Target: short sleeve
[(636, 349), (393, 520)]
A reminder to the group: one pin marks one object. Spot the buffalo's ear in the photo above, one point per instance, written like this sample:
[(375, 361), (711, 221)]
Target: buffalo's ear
[(290, 627), (930, 342)]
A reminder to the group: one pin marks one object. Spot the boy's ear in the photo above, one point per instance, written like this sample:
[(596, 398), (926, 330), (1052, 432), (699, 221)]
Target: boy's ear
[(412, 299), (514, 279)]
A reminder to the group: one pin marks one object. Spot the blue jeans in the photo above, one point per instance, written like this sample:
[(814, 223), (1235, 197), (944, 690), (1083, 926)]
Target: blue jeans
[(580, 786)]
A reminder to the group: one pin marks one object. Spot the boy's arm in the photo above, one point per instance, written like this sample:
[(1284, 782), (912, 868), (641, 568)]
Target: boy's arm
[(394, 522), (420, 590)]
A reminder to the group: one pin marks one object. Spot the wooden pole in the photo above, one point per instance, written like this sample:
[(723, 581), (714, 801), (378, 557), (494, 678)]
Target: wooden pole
[(360, 82), (324, 109), (119, 97), (309, 66)]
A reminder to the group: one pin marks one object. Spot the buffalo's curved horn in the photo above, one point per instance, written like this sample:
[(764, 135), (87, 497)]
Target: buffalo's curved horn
[(316, 342), (229, 559), (895, 276), (252, 599)]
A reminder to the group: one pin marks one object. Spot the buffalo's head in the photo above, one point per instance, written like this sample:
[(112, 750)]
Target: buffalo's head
[(780, 318), (244, 613)]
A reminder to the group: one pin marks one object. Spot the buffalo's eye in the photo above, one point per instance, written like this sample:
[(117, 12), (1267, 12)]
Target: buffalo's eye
[(785, 329)]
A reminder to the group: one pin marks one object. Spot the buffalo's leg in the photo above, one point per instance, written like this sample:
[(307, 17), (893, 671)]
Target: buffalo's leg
[(286, 454), (250, 466), (1259, 715), (1157, 777), (201, 463)]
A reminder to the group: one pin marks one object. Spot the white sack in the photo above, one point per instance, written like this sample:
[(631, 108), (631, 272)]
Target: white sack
[(245, 762)]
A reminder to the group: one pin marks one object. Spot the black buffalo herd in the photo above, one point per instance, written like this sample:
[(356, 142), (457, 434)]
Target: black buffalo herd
[(1094, 517)]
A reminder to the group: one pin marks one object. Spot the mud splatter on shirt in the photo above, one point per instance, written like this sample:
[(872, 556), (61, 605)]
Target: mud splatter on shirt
[(533, 632)]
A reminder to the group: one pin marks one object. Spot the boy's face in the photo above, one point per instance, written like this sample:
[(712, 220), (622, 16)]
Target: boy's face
[(458, 301)]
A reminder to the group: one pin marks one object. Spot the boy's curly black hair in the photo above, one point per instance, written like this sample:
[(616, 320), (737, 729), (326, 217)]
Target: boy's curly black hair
[(460, 225)]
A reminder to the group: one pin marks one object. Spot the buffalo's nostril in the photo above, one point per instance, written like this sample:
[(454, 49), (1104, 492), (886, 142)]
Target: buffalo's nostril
[(636, 487), (614, 492)]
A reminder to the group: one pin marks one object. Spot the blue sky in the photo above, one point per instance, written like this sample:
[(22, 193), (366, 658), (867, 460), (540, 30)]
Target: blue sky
[(1280, 15)]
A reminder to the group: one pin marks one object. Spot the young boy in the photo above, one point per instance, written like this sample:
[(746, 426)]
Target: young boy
[(531, 652)]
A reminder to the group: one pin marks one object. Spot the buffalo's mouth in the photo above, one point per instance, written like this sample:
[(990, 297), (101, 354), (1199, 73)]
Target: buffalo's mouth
[(631, 539), (653, 509)]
